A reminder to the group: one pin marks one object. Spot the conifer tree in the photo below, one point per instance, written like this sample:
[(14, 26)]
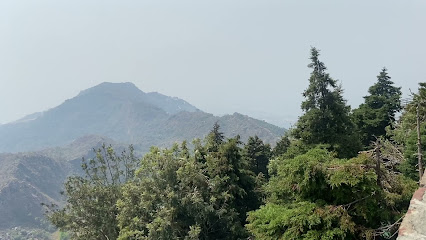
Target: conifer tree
[(257, 154), (215, 138), (282, 145), (326, 117), (409, 128), (379, 109)]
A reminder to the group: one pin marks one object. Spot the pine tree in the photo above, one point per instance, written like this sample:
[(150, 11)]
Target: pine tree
[(379, 109), (215, 138), (326, 119), (282, 145), (257, 154)]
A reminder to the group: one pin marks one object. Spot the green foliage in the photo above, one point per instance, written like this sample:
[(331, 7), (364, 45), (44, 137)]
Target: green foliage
[(214, 138), (409, 166), (233, 174), (90, 211), (296, 147), (318, 196), (179, 194), (168, 199), (258, 154), (379, 109), (326, 119), (302, 220), (282, 145)]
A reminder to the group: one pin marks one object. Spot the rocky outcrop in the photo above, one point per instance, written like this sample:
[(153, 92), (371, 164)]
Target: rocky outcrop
[(414, 224)]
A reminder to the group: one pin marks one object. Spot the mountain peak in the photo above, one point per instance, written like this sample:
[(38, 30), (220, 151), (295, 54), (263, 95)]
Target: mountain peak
[(115, 89), (107, 85), (129, 92)]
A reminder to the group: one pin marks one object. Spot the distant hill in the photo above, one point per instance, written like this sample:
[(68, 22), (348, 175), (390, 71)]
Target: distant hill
[(122, 112), (198, 124), (29, 179)]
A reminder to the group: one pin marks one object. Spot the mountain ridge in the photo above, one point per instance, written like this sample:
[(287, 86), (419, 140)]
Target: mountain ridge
[(119, 111)]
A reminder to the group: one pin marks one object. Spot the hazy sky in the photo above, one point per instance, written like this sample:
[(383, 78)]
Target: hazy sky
[(221, 56)]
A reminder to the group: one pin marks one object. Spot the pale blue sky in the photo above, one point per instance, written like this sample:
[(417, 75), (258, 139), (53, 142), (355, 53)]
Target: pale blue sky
[(221, 56)]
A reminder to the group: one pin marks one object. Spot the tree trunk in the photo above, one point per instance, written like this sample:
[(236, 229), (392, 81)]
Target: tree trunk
[(378, 160), (419, 145)]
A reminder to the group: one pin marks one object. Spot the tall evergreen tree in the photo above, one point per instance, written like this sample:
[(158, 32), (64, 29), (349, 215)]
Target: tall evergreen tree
[(215, 138), (282, 145), (230, 183), (326, 119), (379, 108), (257, 154), (405, 133)]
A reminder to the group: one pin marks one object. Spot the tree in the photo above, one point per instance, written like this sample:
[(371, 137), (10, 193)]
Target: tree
[(232, 176), (326, 119), (90, 211), (257, 154), (282, 145), (378, 110), (231, 184), (215, 138), (234, 184), (410, 132)]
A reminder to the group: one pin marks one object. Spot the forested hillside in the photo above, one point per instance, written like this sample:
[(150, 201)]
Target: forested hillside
[(340, 173)]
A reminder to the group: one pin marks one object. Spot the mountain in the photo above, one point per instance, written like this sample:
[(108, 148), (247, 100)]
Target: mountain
[(124, 113)]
